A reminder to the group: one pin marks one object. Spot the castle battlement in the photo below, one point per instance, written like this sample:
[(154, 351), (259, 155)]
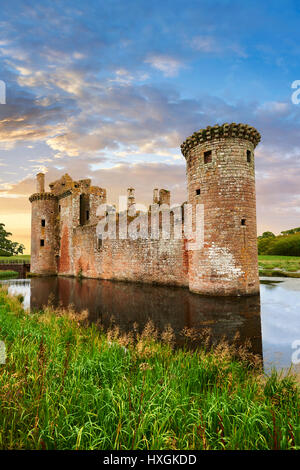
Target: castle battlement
[(41, 197), (241, 131), (220, 178)]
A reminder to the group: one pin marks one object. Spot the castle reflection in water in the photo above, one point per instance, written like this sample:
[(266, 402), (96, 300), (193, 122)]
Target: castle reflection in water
[(125, 304)]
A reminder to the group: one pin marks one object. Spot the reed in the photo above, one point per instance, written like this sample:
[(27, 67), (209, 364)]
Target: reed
[(68, 385)]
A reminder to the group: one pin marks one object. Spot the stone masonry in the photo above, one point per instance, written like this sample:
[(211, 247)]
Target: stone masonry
[(220, 177)]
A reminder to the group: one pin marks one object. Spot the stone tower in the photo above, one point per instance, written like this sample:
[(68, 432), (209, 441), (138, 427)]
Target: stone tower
[(43, 229), (221, 176)]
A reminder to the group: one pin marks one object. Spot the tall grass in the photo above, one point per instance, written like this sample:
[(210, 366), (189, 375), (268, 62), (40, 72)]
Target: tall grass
[(65, 385)]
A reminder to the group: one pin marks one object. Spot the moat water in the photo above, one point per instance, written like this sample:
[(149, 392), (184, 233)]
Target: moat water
[(270, 321)]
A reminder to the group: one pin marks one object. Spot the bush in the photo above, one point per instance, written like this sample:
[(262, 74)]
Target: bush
[(264, 244), (284, 245)]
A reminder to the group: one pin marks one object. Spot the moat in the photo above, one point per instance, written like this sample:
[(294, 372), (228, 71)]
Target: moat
[(270, 321)]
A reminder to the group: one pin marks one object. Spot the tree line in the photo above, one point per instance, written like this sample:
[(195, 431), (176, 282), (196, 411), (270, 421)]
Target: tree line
[(287, 243)]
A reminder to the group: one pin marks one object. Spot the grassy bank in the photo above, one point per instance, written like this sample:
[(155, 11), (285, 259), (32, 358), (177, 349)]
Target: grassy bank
[(67, 386), (14, 259), (286, 266), (8, 274)]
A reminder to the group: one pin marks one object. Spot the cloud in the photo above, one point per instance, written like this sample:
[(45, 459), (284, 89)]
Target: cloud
[(205, 44), (274, 107), (139, 116), (216, 45), (23, 119), (170, 66), (82, 93)]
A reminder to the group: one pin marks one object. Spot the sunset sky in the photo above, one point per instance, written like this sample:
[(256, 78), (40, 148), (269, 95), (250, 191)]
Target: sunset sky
[(109, 89)]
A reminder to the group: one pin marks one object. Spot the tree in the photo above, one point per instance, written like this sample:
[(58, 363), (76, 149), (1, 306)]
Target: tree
[(286, 246), (291, 231), (264, 244), (266, 235), (7, 247)]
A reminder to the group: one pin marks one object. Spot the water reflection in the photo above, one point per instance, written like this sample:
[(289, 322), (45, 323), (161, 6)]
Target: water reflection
[(126, 304), (129, 303), (280, 321), (19, 287)]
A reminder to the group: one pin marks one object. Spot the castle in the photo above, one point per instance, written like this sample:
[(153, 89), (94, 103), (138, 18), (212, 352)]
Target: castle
[(220, 177)]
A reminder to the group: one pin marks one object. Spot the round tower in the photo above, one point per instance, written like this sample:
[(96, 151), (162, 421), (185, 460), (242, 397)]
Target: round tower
[(221, 177), (44, 211)]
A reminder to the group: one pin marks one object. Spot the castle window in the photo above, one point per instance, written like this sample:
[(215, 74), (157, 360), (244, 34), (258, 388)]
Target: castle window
[(99, 243), (43, 223), (243, 221), (207, 156), (248, 156), (42, 242), (59, 208), (84, 211), (198, 191)]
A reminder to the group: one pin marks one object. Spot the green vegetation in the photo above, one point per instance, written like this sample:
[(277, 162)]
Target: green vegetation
[(292, 230), (8, 274), (286, 244), (15, 259), (7, 247), (285, 266), (67, 385), (277, 273)]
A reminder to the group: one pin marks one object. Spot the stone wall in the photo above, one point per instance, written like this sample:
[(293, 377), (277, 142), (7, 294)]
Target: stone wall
[(142, 260), (79, 252), (21, 268)]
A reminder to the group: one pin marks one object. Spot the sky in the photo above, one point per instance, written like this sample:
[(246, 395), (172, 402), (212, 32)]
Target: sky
[(109, 89)]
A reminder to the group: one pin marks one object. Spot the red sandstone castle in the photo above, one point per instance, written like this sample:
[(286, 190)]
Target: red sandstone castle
[(220, 175)]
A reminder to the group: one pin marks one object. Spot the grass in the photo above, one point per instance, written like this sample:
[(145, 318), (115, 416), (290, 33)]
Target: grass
[(278, 273), (8, 274), (286, 266), (15, 259), (67, 385)]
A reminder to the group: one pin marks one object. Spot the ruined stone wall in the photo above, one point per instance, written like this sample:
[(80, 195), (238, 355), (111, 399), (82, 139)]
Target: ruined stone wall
[(142, 260), (223, 180), (68, 214)]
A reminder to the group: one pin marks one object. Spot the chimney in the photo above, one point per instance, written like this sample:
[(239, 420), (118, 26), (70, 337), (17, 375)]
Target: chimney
[(164, 196), (155, 196), (40, 183), (130, 197)]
